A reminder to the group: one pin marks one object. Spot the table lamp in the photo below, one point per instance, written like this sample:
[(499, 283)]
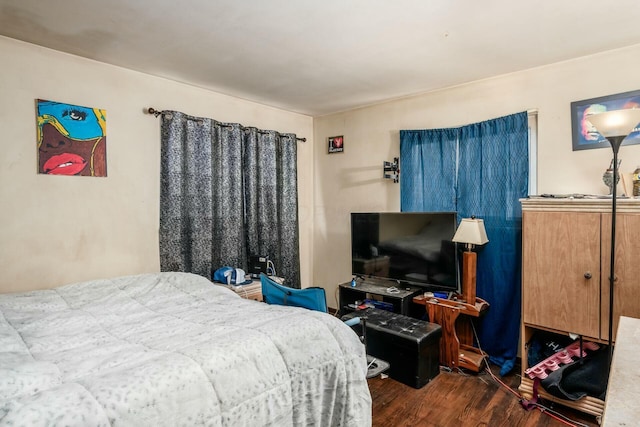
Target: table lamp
[(615, 126), (471, 232)]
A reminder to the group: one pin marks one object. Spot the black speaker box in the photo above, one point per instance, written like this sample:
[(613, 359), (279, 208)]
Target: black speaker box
[(411, 346)]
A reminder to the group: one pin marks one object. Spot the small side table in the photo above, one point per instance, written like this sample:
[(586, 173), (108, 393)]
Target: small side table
[(251, 291), (456, 345)]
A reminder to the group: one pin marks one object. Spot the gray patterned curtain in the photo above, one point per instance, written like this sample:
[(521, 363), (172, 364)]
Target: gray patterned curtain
[(227, 192)]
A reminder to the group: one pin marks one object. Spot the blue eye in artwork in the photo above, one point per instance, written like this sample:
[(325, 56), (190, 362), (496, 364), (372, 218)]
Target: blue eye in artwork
[(76, 115), (79, 122)]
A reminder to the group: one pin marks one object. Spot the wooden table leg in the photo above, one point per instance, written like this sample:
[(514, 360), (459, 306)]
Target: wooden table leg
[(446, 316), (456, 344)]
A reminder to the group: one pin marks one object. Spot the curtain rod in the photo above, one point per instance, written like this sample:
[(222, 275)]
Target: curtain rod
[(156, 113)]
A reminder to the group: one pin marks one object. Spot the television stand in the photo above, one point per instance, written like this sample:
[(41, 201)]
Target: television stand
[(398, 295)]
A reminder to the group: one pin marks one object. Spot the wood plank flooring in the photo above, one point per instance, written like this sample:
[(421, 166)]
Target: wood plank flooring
[(460, 399)]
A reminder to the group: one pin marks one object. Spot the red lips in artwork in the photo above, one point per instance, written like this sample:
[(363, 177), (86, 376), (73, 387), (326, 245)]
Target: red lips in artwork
[(58, 154), (64, 164)]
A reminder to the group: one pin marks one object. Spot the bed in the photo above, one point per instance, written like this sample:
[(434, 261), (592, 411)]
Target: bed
[(173, 349)]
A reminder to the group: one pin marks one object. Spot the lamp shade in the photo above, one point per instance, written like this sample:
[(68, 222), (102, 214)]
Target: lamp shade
[(471, 231), (615, 122)]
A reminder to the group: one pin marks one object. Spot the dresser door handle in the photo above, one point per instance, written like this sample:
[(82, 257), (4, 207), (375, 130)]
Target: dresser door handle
[(587, 275)]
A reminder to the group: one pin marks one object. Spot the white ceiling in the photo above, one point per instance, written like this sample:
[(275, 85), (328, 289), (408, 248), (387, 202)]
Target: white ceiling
[(322, 56)]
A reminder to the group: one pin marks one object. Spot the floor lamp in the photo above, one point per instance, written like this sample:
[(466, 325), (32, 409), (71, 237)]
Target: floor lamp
[(471, 232), (615, 126)]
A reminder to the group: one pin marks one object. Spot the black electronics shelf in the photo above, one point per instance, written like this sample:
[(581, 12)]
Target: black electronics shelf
[(397, 295)]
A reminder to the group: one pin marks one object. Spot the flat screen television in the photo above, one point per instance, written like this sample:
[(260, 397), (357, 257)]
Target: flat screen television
[(413, 248)]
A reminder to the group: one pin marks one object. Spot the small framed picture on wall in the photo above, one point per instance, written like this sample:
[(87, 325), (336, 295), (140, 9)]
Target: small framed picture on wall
[(336, 144)]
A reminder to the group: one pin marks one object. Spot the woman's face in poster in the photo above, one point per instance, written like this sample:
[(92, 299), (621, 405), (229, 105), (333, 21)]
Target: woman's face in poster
[(71, 140)]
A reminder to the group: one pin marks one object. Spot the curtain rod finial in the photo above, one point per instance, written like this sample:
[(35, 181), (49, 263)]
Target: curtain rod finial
[(153, 111)]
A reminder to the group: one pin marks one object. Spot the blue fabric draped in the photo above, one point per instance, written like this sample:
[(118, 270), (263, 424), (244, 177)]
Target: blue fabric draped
[(427, 181), (492, 175)]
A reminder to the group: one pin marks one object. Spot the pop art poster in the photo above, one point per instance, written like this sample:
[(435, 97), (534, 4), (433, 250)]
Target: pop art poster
[(72, 140)]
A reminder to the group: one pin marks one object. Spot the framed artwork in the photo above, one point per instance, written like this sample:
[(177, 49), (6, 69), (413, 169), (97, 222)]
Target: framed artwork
[(72, 140), (584, 135), (336, 144)]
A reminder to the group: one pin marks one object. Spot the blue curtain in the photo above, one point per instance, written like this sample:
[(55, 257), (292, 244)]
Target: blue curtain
[(428, 164), (492, 175)]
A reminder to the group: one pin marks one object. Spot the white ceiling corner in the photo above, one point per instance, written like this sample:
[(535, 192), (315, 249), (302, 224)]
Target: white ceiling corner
[(320, 57)]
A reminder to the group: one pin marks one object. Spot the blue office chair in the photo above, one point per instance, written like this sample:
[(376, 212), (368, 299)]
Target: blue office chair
[(313, 298)]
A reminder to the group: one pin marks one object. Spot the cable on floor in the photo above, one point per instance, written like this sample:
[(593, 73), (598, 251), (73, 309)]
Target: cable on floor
[(544, 409), (335, 296)]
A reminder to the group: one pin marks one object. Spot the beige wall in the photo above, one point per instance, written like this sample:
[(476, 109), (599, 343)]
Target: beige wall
[(351, 181), (57, 229)]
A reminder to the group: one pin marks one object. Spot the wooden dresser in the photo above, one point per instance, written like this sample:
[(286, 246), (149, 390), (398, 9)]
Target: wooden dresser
[(566, 249)]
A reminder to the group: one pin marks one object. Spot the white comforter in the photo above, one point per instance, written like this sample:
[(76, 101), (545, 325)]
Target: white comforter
[(173, 349)]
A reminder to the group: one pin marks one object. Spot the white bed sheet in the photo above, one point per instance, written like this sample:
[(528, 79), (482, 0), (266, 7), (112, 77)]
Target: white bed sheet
[(173, 349)]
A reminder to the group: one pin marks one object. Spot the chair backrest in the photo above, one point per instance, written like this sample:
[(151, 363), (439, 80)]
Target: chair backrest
[(274, 293)]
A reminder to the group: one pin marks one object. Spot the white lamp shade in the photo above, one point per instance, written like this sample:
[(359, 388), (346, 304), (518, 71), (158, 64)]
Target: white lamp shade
[(616, 122), (471, 231)]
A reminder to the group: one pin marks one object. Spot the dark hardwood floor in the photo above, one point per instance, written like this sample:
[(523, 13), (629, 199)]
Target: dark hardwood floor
[(460, 399)]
